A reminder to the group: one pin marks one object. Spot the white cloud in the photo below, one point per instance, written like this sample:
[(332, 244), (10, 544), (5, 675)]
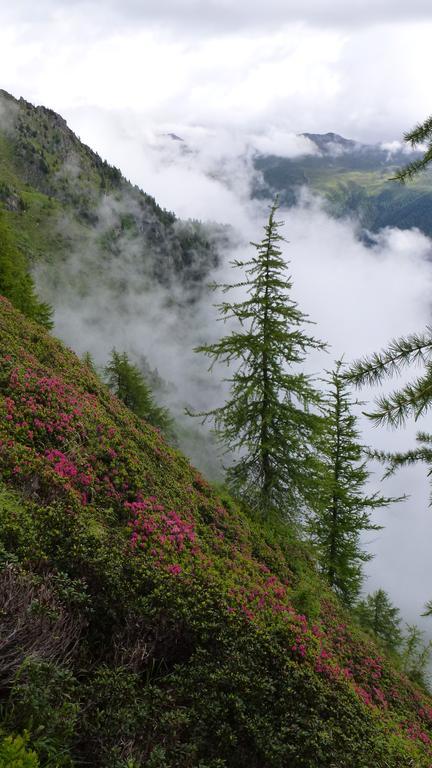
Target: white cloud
[(276, 141), (226, 15), (298, 74)]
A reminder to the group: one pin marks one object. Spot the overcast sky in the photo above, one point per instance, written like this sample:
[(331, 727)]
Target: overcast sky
[(358, 67)]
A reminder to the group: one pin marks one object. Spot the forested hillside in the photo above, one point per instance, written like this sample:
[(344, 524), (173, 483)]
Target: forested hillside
[(60, 198), (355, 180), (104, 256)]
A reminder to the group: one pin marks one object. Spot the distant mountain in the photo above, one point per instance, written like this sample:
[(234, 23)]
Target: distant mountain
[(331, 143), (173, 136), (354, 179)]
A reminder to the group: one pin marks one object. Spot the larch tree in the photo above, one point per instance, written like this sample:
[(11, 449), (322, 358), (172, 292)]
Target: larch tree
[(378, 615), (415, 655), (127, 382), (419, 136), (270, 421), (340, 504), (413, 400)]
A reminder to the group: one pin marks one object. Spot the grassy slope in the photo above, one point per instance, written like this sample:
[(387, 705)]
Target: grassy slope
[(205, 639), (32, 196), (356, 185), (59, 198)]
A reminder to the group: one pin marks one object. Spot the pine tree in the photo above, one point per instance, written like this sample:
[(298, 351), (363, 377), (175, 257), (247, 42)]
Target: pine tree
[(340, 504), (377, 615), (269, 423), (415, 398), (128, 383)]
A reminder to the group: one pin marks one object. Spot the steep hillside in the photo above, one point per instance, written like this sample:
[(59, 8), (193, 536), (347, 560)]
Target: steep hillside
[(355, 180), (61, 199), (146, 620), (116, 268)]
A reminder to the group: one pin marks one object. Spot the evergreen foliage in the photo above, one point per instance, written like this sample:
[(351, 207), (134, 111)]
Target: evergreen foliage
[(341, 507), (88, 360), (270, 419), (15, 281), (416, 655), (411, 401), (415, 398), (128, 383), (377, 614), (421, 134)]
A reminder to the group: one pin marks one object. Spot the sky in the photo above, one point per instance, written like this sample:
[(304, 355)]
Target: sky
[(360, 68), (227, 75)]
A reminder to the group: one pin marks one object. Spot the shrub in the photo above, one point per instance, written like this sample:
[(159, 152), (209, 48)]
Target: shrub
[(14, 753), (45, 699), (33, 622)]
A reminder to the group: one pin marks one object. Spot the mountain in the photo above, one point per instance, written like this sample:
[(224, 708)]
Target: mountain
[(116, 268), (60, 197), (354, 180), (332, 143), (148, 620)]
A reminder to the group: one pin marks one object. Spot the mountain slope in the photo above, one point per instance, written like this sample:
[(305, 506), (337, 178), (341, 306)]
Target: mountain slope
[(117, 269), (354, 180), (61, 198), (157, 623)]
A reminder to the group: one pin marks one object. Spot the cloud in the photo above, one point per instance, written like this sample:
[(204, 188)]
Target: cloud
[(214, 16), (282, 143), (299, 71)]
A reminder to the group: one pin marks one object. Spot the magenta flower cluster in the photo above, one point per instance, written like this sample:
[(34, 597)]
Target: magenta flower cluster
[(160, 532)]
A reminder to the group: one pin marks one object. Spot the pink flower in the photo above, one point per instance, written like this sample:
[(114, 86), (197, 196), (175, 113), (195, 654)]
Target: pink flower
[(175, 569)]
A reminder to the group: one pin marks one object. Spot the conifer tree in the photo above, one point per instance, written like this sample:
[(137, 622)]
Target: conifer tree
[(415, 398), (420, 135), (377, 614), (340, 505), (415, 655), (411, 401), (88, 360), (128, 383), (269, 422)]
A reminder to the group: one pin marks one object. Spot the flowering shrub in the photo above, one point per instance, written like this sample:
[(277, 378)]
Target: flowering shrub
[(111, 502)]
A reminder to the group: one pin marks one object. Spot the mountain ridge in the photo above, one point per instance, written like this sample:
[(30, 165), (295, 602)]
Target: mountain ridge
[(47, 173)]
